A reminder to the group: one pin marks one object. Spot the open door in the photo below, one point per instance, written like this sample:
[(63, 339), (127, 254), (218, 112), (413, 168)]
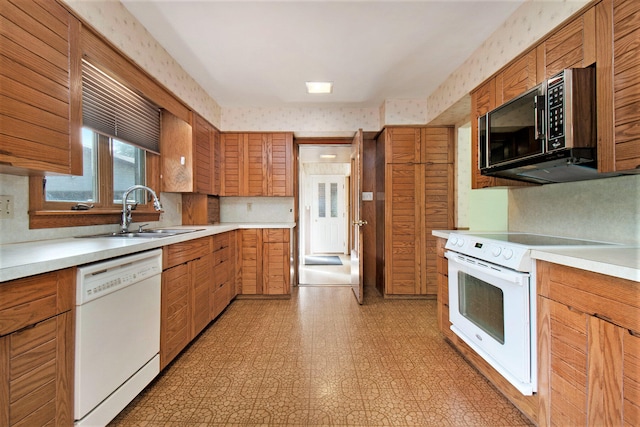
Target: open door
[(356, 221)]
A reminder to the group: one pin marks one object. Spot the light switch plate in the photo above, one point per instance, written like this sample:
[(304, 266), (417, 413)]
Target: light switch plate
[(6, 207)]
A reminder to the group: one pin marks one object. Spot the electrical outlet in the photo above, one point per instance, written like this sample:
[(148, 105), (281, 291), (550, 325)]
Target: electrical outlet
[(249, 207), (6, 207)]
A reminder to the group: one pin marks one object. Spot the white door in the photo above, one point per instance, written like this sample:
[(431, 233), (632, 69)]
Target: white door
[(328, 214)]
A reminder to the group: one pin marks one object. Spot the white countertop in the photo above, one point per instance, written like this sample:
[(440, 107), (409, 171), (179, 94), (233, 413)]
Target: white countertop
[(26, 259), (617, 261)]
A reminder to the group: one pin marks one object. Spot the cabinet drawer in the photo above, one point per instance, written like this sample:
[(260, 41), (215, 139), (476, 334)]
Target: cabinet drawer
[(608, 297), (221, 273), (221, 241), (221, 255), (275, 235), (30, 300), (185, 251)]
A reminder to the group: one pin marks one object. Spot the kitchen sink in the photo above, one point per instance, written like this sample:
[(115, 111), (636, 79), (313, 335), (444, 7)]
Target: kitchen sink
[(147, 234)]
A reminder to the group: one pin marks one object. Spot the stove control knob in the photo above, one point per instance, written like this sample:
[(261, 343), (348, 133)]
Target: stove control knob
[(507, 254), (460, 242), (496, 251), (453, 240)]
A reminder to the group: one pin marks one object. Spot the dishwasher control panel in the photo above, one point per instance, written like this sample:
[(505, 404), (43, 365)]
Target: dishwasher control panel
[(102, 278)]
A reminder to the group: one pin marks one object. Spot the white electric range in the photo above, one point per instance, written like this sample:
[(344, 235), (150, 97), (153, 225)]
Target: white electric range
[(492, 297)]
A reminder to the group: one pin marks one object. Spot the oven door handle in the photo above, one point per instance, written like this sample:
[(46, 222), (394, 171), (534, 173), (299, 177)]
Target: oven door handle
[(486, 268)]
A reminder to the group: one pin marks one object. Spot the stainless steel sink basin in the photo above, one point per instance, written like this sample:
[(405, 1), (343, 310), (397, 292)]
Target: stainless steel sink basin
[(148, 234)]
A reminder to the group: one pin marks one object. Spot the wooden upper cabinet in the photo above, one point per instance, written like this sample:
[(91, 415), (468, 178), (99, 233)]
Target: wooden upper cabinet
[(176, 146), (437, 145), (207, 156), (280, 157), (403, 145), (257, 164), (517, 78), (419, 145), (190, 155), (483, 100), (40, 89), (231, 164), (572, 46), (618, 85)]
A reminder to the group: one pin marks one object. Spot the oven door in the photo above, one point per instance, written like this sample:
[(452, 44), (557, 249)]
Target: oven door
[(489, 308)]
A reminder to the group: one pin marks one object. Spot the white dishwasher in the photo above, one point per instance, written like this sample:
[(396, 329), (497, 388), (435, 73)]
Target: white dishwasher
[(117, 334)]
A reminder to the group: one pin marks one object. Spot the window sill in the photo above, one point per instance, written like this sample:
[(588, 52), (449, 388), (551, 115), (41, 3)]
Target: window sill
[(57, 219)]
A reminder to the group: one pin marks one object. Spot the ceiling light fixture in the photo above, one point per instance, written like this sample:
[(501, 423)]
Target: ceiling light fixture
[(319, 87), (328, 156)]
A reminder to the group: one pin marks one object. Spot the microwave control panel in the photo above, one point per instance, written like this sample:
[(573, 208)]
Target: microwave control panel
[(555, 108)]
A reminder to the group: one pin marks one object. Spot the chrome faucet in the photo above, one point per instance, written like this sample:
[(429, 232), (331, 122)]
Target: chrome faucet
[(127, 208)]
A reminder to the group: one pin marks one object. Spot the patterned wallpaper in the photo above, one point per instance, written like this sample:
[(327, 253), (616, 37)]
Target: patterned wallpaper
[(403, 112), (528, 24), (113, 20), (305, 120)]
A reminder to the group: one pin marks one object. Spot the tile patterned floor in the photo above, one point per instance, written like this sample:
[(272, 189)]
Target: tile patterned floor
[(319, 359)]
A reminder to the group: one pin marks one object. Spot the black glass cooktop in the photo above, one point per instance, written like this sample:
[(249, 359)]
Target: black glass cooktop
[(528, 239)]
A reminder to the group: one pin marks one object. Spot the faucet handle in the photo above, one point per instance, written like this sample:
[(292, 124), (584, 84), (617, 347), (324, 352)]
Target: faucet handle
[(140, 227)]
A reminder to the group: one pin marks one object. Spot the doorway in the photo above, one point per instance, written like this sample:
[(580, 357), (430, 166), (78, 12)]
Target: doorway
[(324, 197)]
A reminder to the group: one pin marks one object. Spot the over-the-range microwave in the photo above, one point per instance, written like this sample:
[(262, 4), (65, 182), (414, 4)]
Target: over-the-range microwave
[(547, 134)]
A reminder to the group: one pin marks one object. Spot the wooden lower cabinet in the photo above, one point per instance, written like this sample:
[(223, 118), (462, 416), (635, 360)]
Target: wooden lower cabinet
[(443, 289), (191, 274), (275, 261), (223, 286), (265, 261), (588, 348), (175, 312), (37, 323)]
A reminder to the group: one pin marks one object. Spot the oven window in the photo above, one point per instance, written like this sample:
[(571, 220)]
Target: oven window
[(483, 304)]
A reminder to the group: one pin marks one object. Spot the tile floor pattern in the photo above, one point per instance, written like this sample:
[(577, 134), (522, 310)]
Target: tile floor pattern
[(320, 359)]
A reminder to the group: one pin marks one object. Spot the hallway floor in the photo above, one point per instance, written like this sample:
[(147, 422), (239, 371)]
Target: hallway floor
[(320, 359), (326, 274)]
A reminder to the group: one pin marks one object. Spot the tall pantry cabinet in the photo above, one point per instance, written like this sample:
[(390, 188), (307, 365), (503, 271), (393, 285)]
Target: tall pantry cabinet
[(418, 198)]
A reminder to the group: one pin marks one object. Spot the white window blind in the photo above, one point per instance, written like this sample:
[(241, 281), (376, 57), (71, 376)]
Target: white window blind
[(113, 109)]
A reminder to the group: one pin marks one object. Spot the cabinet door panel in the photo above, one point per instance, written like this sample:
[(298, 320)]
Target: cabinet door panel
[(403, 222), (251, 262), (176, 145), (175, 330), (40, 365), (203, 163), (631, 379), (483, 100), (202, 272), (403, 145), (518, 77), (276, 268), (231, 164), (40, 63), (437, 145), (280, 174), (255, 167), (605, 373)]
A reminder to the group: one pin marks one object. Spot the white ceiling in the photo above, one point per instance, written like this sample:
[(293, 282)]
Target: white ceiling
[(260, 53)]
